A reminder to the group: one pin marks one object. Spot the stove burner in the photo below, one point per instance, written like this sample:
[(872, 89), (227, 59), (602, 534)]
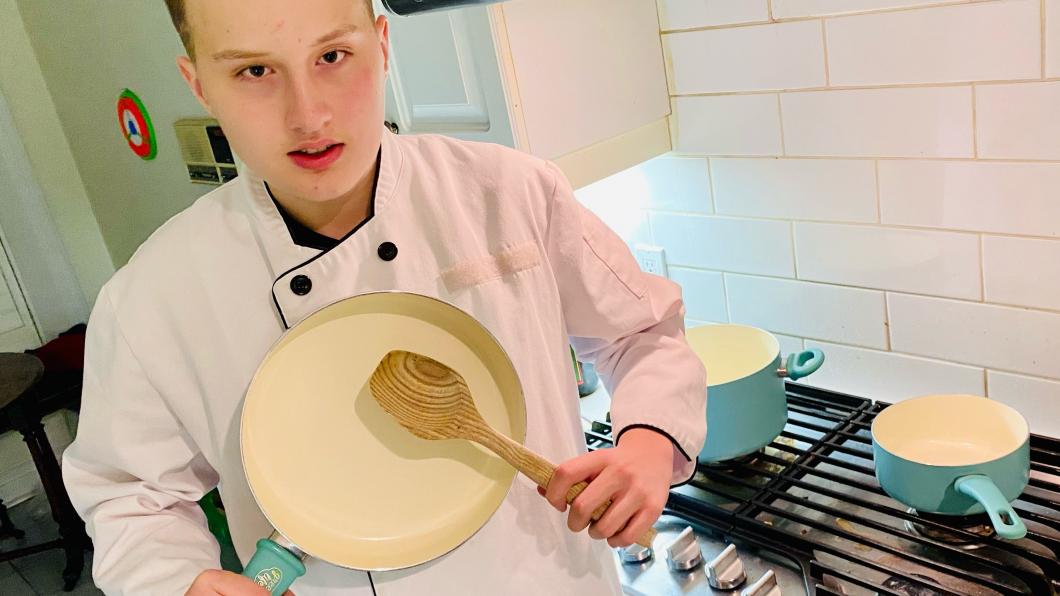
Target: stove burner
[(736, 463), (977, 525), (907, 588)]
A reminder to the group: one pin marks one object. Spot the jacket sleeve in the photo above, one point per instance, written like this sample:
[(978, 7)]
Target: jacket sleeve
[(630, 324), (135, 475)]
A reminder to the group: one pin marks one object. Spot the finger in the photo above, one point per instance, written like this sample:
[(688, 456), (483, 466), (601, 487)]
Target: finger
[(637, 526), (233, 583), (584, 467), (604, 487), (540, 491), (618, 514)]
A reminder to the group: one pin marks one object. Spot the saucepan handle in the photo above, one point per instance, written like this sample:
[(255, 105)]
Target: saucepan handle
[(273, 567), (981, 488), (802, 364)]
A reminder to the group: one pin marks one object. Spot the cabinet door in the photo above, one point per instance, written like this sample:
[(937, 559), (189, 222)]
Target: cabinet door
[(17, 330), (589, 80), (444, 78)]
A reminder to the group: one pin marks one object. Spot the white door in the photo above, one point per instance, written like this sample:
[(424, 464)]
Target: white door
[(17, 330), (444, 76)]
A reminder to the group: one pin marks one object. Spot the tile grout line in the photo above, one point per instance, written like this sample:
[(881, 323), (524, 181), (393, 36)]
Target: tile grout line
[(975, 127), (982, 271), (849, 223), (874, 11), (869, 87), (1008, 160), (713, 187), (1044, 16), (824, 45), (769, 11), (879, 200), (794, 251), (725, 291), (875, 290), (887, 320), (780, 121)]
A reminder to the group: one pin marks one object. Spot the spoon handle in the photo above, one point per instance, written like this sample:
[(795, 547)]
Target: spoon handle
[(540, 470)]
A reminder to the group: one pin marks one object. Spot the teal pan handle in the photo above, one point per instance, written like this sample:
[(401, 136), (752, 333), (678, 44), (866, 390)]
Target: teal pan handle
[(981, 488), (273, 567), (803, 364)]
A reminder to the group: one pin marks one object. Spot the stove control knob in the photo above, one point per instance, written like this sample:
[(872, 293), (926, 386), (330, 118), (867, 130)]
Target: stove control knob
[(726, 572), (636, 553), (765, 586), (684, 553)]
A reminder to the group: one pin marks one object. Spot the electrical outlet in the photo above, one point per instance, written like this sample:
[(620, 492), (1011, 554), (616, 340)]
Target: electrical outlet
[(652, 259)]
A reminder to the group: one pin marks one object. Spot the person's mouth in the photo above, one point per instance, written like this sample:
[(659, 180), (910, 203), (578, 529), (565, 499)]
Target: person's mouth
[(317, 155)]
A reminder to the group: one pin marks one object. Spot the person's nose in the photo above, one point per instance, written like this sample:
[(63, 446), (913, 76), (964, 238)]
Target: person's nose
[(307, 111)]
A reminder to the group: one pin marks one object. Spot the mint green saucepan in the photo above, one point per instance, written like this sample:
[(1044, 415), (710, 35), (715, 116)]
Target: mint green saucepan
[(954, 455), (746, 403)]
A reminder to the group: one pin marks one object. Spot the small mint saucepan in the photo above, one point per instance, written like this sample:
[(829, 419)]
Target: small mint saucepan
[(746, 403), (954, 455)]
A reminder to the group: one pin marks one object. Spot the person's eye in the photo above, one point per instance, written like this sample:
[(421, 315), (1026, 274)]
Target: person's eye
[(255, 71), (334, 56)]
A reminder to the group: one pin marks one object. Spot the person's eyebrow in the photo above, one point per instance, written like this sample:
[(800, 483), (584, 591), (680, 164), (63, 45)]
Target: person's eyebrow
[(336, 34), (237, 55), (247, 55)]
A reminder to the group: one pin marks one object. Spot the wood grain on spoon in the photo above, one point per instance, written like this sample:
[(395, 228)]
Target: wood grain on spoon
[(432, 401)]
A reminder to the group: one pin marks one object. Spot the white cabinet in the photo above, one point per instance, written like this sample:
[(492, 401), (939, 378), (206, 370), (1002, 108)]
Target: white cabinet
[(579, 82)]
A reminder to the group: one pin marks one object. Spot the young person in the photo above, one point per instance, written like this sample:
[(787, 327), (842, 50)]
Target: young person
[(334, 205)]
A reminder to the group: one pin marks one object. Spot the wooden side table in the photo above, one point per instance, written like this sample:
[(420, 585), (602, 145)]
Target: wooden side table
[(19, 375)]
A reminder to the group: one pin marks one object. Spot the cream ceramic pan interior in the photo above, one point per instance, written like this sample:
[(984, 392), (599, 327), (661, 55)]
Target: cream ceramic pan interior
[(732, 352), (337, 475), (950, 430)]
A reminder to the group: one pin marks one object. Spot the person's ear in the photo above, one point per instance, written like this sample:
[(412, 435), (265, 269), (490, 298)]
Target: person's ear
[(382, 27), (191, 77)]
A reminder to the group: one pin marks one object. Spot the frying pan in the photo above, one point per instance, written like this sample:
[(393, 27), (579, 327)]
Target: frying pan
[(954, 455), (335, 475)]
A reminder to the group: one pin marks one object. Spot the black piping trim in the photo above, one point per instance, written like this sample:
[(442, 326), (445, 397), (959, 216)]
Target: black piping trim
[(668, 436), (371, 214)]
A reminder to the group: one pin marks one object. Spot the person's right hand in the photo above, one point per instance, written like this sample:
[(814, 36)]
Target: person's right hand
[(214, 582)]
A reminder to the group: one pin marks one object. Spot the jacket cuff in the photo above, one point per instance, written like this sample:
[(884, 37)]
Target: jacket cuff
[(684, 466)]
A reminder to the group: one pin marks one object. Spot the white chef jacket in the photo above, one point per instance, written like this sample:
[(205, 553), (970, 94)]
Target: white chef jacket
[(177, 334)]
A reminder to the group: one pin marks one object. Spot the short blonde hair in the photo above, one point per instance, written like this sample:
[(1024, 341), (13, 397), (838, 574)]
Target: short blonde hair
[(178, 13)]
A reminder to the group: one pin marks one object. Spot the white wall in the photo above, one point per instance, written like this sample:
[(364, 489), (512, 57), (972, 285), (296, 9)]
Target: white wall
[(884, 185), (88, 52), (53, 178)]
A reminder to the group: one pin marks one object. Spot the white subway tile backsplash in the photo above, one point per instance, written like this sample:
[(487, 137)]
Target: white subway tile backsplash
[(890, 377), (686, 14), (1052, 38), (757, 58), (999, 337), (819, 189), (1011, 198), (1022, 271), (728, 125), (690, 323), (905, 122), (972, 42), (743, 245), (924, 262), (789, 344), (674, 184), (1037, 399), (621, 204), (810, 310), (1019, 121), (703, 293), (783, 9)]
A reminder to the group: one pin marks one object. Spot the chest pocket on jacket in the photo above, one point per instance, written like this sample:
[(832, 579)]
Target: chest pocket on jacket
[(507, 261)]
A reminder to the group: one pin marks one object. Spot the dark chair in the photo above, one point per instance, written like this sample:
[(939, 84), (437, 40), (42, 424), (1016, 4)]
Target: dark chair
[(33, 385)]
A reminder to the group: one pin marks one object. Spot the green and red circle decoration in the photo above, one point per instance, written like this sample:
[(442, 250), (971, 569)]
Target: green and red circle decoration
[(136, 125)]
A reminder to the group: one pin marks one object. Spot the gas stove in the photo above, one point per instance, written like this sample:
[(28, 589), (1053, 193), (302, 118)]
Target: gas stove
[(805, 515)]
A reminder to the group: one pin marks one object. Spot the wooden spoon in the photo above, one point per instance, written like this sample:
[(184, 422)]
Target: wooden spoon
[(432, 401)]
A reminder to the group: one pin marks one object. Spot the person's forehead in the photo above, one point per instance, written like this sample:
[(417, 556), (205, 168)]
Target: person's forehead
[(255, 24)]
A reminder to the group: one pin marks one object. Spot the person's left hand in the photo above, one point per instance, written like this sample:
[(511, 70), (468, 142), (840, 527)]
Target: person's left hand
[(635, 475)]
